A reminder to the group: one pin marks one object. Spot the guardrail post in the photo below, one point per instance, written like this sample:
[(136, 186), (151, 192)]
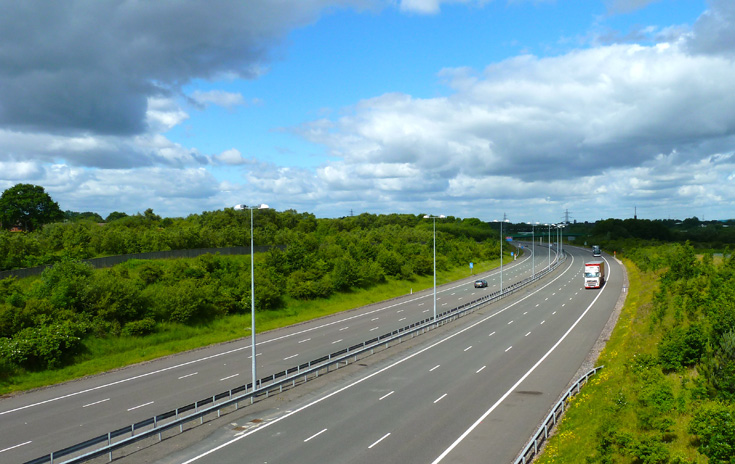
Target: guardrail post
[(109, 442)]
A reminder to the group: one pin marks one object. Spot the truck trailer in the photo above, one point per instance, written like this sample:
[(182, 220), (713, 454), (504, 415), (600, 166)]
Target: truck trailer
[(594, 274)]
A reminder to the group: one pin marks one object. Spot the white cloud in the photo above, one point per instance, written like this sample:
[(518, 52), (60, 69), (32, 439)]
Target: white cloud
[(529, 128), (230, 157), (163, 114), (219, 98), (431, 6)]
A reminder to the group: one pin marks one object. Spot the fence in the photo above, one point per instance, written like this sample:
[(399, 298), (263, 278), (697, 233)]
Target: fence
[(212, 407), (110, 261), (532, 448)]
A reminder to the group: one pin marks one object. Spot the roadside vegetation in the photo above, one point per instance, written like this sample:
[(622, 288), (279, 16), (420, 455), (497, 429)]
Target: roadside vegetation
[(667, 393), (74, 320)]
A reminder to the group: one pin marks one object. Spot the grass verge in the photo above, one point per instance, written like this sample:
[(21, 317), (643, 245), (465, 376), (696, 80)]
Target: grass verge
[(617, 404)]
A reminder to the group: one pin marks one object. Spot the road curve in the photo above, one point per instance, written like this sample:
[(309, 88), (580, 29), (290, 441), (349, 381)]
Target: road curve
[(45, 420), (474, 392)]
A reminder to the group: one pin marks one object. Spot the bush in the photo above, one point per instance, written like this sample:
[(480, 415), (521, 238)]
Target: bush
[(714, 426), (719, 368), (681, 347), (45, 347), (150, 273), (65, 284), (139, 328), (306, 285), (184, 302), (114, 298)]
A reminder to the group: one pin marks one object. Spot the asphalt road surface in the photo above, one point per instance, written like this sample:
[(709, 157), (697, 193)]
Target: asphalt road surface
[(473, 392), (45, 420)]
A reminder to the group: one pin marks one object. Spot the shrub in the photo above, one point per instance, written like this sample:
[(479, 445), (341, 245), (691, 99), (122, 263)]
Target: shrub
[(65, 284), (719, 368), (306, 285), (113, 298), (681, 347), (139, 328), (45, 347), (150, 273), (714, 425)]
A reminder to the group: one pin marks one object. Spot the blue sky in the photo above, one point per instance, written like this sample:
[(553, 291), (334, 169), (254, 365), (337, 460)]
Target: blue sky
[(467, 107)]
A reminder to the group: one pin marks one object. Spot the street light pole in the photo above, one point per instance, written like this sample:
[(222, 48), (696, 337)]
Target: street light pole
[(428, 216), (501, 253), (550, 245), (561, 238), (252, 286), (533, 250)]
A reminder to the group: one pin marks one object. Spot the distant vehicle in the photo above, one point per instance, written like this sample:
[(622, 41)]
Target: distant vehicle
[(594, 274), (481, 283), (596, 250)]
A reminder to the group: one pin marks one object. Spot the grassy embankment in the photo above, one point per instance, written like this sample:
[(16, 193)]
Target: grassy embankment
[(104, 354), (614, 403)]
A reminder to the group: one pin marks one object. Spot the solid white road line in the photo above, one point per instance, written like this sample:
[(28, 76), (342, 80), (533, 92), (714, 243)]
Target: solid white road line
[(502, 398)]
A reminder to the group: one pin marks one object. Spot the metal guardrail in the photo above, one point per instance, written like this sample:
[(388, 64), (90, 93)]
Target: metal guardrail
[(275, 383), (542, 434)]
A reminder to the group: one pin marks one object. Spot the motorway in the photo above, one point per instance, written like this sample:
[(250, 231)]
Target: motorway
[(474, 393), (38, 422)]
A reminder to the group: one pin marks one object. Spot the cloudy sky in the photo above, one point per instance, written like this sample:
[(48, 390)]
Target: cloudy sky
[(472, 108)]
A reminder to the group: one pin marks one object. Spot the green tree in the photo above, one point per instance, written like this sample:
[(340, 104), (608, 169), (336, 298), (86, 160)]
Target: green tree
[(115, 215), (28, 206)]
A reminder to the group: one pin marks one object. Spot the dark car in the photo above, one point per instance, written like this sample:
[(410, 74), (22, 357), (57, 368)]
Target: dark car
[(480, 283)]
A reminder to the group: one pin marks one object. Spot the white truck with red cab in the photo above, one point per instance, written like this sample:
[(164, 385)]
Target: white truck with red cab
[(594, 274)]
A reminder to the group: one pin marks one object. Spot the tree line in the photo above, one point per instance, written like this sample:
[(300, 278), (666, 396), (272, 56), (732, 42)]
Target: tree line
[(44, 320)]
